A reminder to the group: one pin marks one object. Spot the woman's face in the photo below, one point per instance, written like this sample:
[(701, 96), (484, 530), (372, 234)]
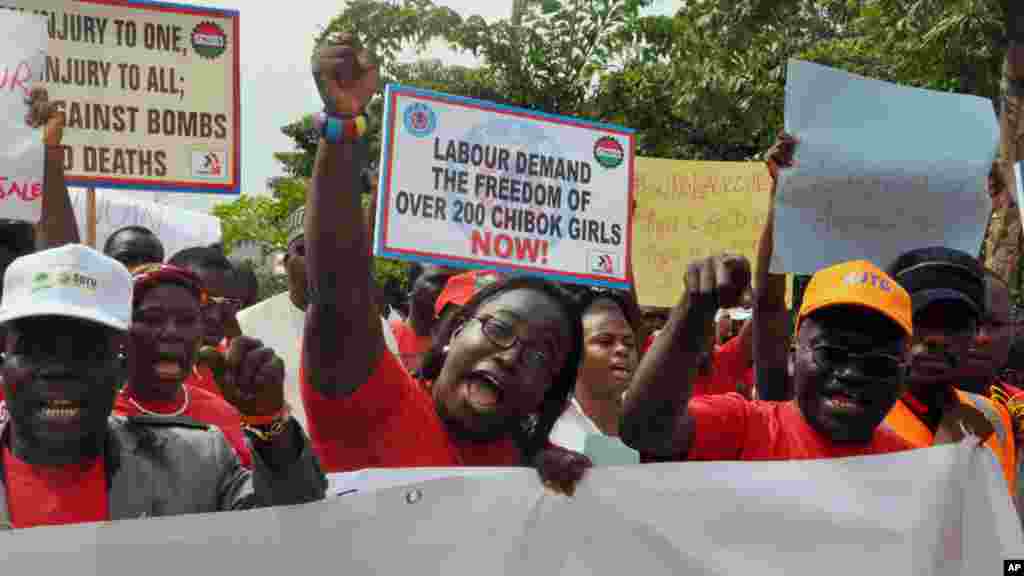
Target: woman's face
[(609, 351), (501, 363), (167, 329)]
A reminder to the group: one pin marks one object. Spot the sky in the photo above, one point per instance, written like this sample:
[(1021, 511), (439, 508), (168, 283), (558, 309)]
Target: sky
[(276, 85)]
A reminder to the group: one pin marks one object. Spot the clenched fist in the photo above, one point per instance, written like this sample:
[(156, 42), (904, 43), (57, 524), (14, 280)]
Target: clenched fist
[(717, 281), (43, 113), (251, 377), (345, 74)]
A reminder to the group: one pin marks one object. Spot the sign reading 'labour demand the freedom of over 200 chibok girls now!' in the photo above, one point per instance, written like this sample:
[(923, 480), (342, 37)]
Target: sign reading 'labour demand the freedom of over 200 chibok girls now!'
[(474, 184), (150, 90)]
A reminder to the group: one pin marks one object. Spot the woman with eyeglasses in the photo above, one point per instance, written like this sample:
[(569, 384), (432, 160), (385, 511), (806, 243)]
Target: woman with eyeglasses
[(501, 368)]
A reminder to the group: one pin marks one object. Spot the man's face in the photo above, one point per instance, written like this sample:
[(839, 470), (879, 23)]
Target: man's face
[(167, 327), (295, 265), (218, 284), (848, 370), (989, 351), (60, 376), (133, 249), (484, 390), (943, 332)]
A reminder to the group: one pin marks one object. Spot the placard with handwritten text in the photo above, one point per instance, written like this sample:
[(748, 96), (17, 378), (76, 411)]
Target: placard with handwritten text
[(150, 90)]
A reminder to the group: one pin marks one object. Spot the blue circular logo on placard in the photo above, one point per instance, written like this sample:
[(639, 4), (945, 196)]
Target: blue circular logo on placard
[(420, 119)]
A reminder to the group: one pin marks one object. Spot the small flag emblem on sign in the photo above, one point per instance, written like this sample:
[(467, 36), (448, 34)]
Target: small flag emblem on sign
[(603, 263)]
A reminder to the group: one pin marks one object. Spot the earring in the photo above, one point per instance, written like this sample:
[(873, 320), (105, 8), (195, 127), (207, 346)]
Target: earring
[(445, 349)]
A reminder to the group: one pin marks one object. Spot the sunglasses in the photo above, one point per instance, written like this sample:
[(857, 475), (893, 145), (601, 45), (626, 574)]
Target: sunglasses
[(875, 365)]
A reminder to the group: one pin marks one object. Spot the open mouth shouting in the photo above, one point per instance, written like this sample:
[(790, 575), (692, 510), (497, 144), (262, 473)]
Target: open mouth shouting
[(484, 390), (170, 366), (841, 402), (621, 371)]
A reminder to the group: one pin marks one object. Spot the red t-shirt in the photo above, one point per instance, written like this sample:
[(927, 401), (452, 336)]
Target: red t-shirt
[(730, 427), (390, 422), (202, 407), (728, 372), (410, 346), (51, 495)]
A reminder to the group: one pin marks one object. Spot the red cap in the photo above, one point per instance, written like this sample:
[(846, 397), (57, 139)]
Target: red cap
[(462, 287)]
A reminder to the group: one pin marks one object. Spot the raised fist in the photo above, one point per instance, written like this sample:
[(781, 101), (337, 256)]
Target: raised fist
[(780, 155), (718, 281), (43, 113), (251, 377), (345, 74)]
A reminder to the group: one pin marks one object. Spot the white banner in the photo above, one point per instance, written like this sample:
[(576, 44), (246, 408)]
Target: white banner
[(176, 228), (151, 92), (22, 153), (470, 183), (880, 169), (939, 511)]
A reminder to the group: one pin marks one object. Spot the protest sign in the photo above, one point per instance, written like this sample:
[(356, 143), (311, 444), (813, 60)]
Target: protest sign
[(474, 184), (23, 156), (879, 169), (939, 511), (177, 228), (150, 90), (690, 210), (1019, 183)]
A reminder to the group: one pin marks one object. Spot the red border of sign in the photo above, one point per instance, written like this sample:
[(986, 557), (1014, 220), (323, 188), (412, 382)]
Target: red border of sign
[(391, 105), (234, 186)]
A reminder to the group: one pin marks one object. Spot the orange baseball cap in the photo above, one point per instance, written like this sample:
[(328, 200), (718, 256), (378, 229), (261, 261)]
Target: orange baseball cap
[(858, 283), (462, 287)]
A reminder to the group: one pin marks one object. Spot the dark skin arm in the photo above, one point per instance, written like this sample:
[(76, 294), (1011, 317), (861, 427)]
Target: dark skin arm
[(343, 340), (57, 226), (655, 419), (771, 320)]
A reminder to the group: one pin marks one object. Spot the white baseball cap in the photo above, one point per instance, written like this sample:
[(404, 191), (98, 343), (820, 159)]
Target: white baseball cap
[(72, 280)]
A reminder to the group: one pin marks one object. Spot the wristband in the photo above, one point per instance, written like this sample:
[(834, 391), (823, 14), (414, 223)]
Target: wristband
[(281, 414), (268, 433), (336, 129)]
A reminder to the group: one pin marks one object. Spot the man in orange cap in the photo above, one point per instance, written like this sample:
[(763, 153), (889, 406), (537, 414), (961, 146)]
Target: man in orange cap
[(853, 331), (853, 334)]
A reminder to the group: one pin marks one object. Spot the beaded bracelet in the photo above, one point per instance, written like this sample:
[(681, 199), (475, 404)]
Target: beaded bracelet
[(334, 129)]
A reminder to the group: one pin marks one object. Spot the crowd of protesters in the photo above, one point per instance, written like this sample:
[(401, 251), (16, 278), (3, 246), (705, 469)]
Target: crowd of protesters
[(131, 390)]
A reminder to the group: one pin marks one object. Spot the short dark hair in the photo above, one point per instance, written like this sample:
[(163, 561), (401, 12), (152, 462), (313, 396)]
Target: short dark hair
[(201, 257), (19, 237), (246, 274), (534, 432), (587, 298), (141, 230)]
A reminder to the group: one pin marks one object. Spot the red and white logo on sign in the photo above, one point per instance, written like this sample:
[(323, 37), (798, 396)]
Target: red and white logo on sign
[(603, 263), (208, 164)]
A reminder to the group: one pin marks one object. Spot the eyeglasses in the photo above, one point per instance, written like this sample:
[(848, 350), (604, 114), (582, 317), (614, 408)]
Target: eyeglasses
[(504, 336), (228, 305), (875, 365)]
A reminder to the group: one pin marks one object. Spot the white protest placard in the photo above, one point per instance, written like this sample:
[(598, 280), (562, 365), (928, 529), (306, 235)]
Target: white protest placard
[(474, 184), (1019, 192), (940, 511), (150, 89), (879, 169), (177, 228), (23, 156)]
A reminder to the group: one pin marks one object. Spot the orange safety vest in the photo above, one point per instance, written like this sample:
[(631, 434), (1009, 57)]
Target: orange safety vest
[(904, 422)]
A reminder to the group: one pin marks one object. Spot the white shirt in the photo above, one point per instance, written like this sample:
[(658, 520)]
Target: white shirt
[(280, 325), (572, 428)]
